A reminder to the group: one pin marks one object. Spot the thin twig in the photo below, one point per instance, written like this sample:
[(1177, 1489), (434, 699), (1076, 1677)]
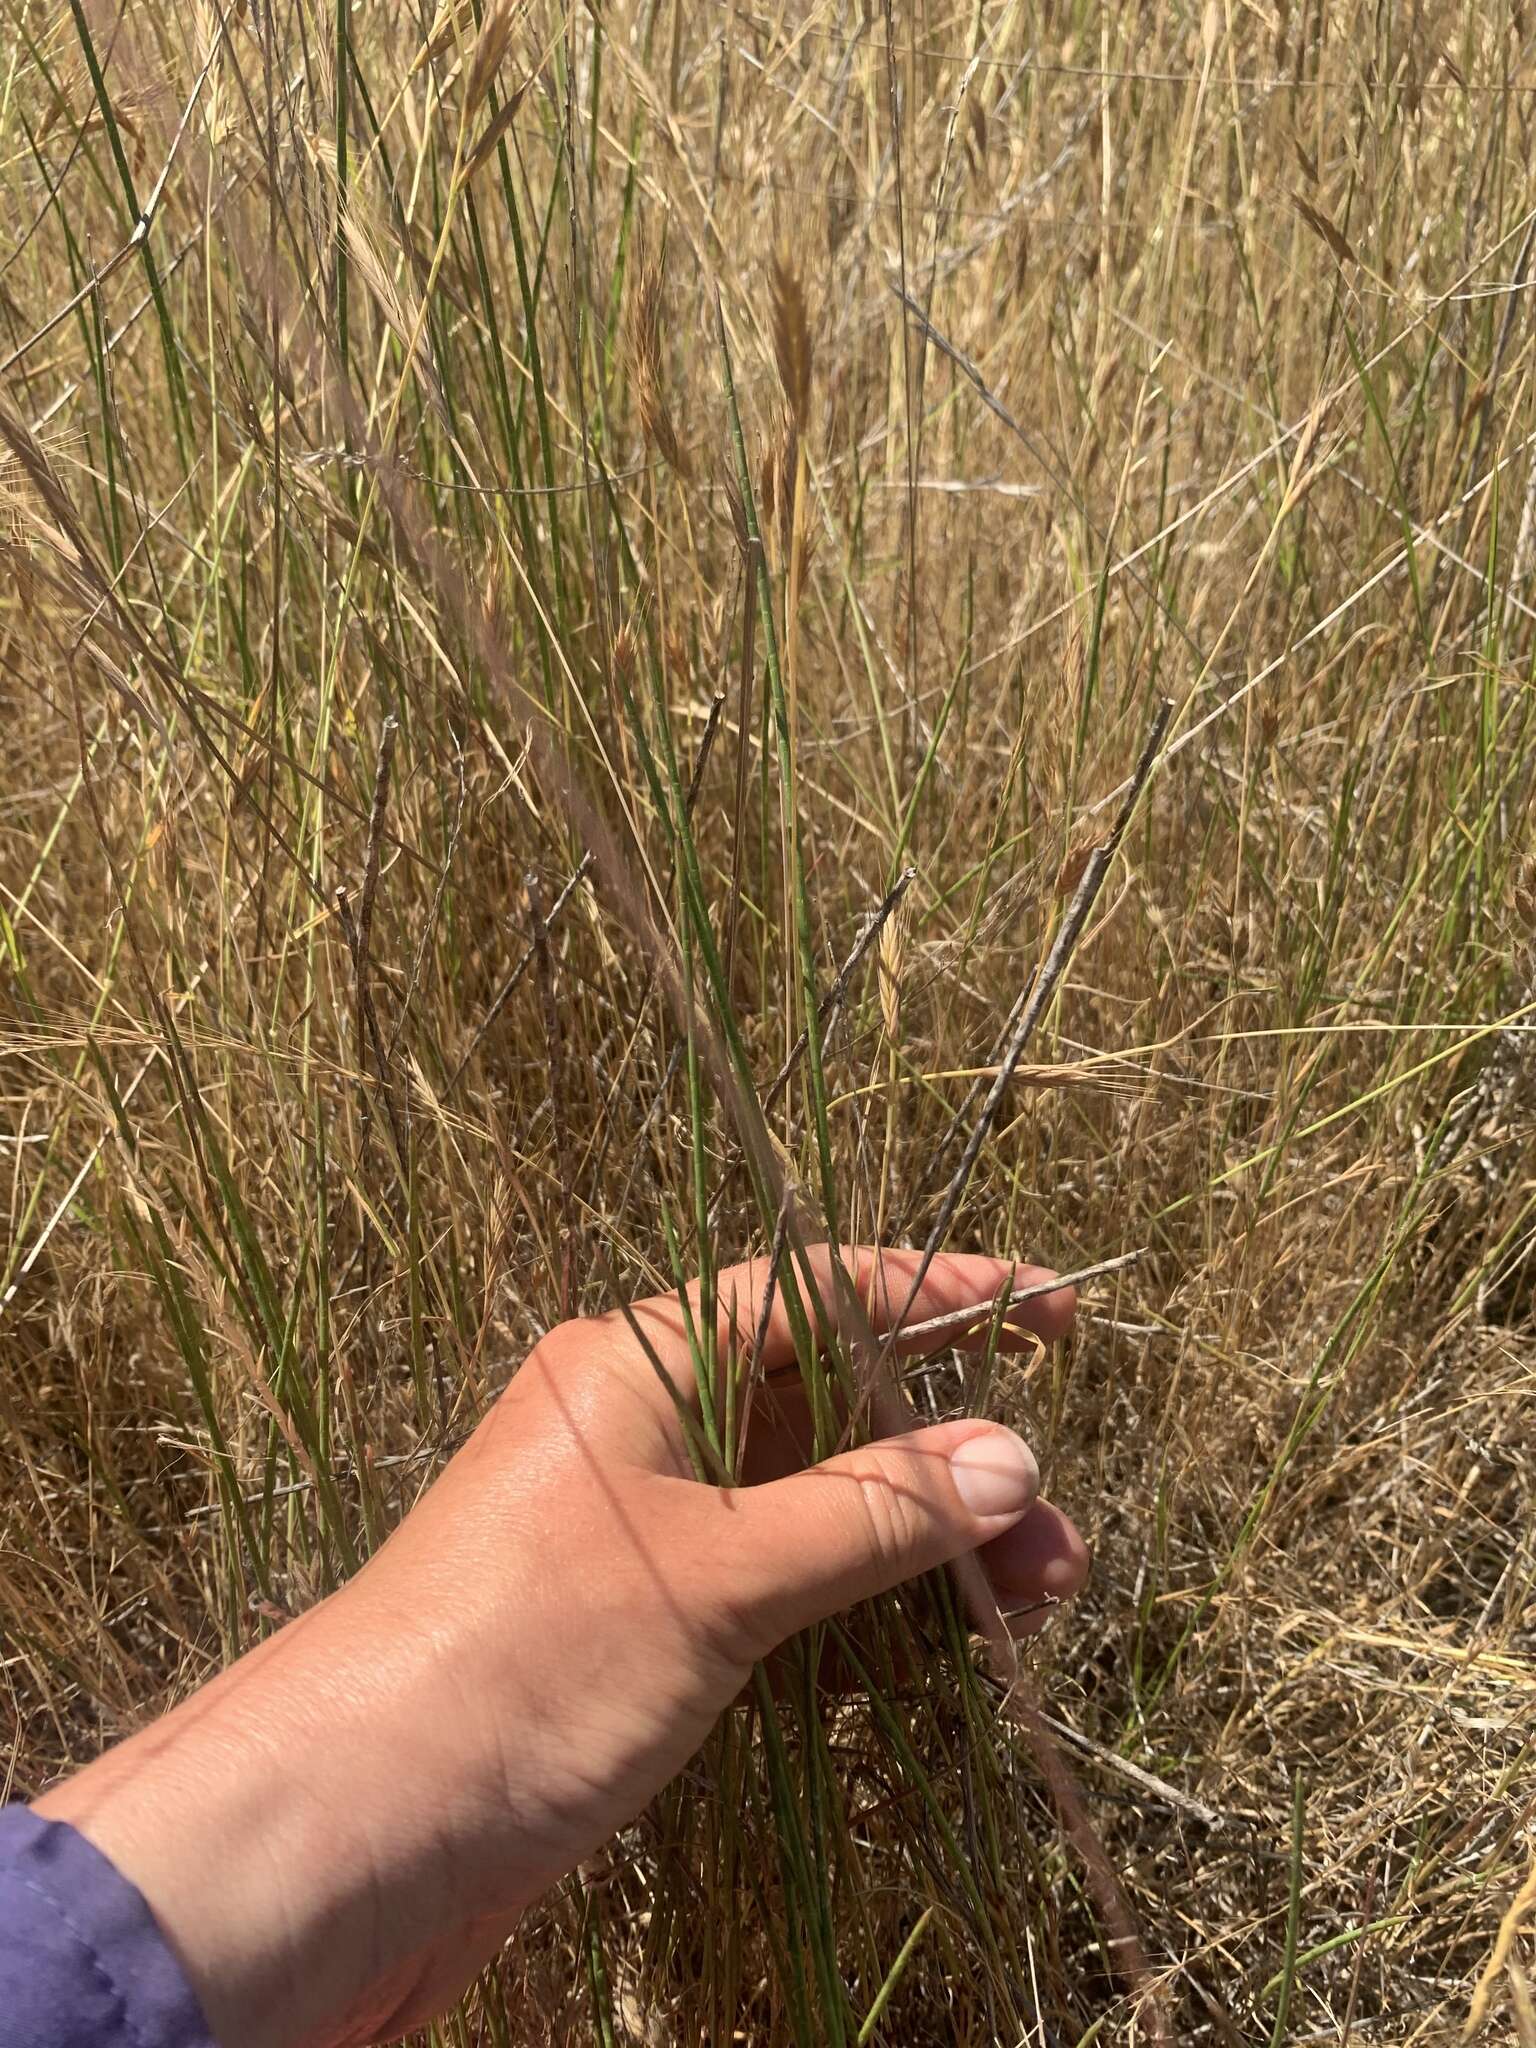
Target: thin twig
[(369, 1022), (510, 986), (1043, 988), (978, 1312), (1156, 1788), (835, 996), (433, 914)]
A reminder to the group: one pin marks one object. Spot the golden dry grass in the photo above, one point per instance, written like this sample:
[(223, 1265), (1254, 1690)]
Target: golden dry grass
[(1085, 357)]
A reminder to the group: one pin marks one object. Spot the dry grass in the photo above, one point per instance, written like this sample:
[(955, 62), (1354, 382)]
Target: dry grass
[(1213, 381)]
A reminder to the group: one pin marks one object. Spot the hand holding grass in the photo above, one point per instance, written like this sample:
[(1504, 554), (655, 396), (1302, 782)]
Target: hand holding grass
[(338, 1831)]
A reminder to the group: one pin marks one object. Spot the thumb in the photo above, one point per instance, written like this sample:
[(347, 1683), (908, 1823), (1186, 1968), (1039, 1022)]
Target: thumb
[(840, 1532)]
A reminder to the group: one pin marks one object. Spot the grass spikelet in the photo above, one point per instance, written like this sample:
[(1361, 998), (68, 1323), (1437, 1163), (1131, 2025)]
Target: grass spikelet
[(451, 25), (890, 964), (365, 247), (21, 505), (491, 46), (644, 329), (623, 651), (792, 351)]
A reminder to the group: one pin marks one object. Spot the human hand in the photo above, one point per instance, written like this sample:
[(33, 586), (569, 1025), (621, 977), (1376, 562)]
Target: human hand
[(337, 1832)]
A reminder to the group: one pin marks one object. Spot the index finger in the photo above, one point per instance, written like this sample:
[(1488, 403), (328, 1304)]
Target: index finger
[(882, 1281)]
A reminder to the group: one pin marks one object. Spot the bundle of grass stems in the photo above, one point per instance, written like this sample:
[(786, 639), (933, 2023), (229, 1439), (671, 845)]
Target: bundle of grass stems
[(634, 635)]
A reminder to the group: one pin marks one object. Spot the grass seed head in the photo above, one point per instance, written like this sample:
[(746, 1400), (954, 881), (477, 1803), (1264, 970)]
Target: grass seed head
[(491, 46), (791, 336), (644, 323)]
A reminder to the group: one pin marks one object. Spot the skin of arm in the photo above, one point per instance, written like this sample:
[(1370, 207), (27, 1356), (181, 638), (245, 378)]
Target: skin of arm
[(337, 1832)]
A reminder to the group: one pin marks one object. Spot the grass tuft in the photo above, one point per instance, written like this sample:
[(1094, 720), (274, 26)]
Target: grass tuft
[(583, 594)]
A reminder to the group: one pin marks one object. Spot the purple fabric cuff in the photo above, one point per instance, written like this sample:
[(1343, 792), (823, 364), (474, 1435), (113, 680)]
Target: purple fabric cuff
[(82, 1962)]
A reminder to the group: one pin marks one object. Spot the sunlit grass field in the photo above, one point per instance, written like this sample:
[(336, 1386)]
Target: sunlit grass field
[(584, 595)]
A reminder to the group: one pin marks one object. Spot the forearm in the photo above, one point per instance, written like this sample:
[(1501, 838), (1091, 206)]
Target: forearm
[(260, 1823)]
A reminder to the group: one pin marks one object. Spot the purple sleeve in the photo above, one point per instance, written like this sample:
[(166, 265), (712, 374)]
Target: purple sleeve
[(82, 1962)]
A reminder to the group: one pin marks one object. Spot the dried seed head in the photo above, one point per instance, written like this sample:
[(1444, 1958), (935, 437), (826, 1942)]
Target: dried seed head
[(644, 336), (791, 336), (1074, 865), (495, 129), (365, 239), (674, 650), (622, 653), (500, 1232), (493, 624), (738, 514), (14, 499), (1077, 668), (890, 960), (494, 40), (450, 24), (27, 482), (976, 140)]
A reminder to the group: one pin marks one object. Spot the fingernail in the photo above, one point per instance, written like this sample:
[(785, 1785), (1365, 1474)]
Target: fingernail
[(995, 1474)]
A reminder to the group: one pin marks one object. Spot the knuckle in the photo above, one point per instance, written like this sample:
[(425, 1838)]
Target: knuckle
[(565, 1346), (583, 1347), (555, 1362), (891, 1517)]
